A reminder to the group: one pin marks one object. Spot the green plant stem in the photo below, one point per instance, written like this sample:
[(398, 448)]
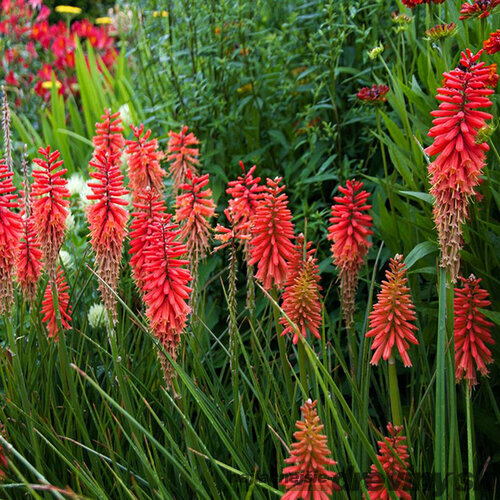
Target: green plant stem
[(388, 188), (470, 449), (303, 366), (397, 418)]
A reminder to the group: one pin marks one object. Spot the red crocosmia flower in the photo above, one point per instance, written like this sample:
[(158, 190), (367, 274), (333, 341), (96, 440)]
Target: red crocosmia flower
[(472, 330), (492, 45), (149, 211), (10, 233), (108, 217), (271, 246), (374, 94), (394, 458), (454, 173), (183, 154), (144, 161), (48, 310), (50, 205), (349, 235), (193, 209), (479, 9), (307, 476), (232, 235), (166, 289), (301, 298), (393, 316)]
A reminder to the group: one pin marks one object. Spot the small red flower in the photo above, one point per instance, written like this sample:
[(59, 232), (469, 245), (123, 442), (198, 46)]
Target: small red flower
[(301, 298), (48, 310), (374, 94), (349, 234), (393, 316), (50, 205), (183, 154), (441, 31), (479, 9), (272, 235), (492, 45), (394, 458), (144, 161), (413, 3), (10, 234), (308, 477), (472, 330), (194, 208)]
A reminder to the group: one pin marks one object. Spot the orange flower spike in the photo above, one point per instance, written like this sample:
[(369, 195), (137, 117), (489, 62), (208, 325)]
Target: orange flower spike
[(10, 234), (455, 172), (472, 330), (394, 458), (50, 205), (237, 232), (307, 477), (272, 236), (194, 208), (144, 161), (349, 232), (183, 154), (301, 298), (393, 316), (107, 216), (48, 311)]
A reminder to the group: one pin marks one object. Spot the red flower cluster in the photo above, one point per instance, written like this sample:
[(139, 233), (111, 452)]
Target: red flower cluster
[(479, 9), (272, 235), (393, 316), (301, 298), (48, 310), (183, 154), (492, 45), (349, 235), (413, 3), (144, 162), (10, 232), (307, 477), (374, 94), (460, 158), (236, 232), (472, 330), (108, 217), (394, 459)]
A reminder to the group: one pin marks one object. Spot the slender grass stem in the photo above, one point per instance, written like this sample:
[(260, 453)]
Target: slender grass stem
[(397, 414), (470, 446)]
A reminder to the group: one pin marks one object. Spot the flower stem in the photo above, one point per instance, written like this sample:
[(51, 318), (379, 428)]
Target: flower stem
[(303, 366), (397, 413), (470, 449)]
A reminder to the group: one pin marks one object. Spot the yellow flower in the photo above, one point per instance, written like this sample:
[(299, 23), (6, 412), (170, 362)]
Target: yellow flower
[(103, 20), (47, 84), (164, 13), (217, 30), (156, 13), (248, 87), (68, 9)]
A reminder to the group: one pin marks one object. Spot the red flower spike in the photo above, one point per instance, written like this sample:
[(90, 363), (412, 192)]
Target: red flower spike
[(107, 216), (454, 173), (349, 235), (307, 477), (478, 8), (394, 458), (375, 94), (492, 45), (166, 289), (48, 310), (149, 211), (472, 330), (272, 245), (10, 234), (237, 232), (301, 298), (50, 205), (144, 161), (391, 321), (183, 155), (193, 209)]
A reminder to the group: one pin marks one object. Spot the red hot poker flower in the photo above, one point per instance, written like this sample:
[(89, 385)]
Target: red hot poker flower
[(301, 298), (236, 232), (472, 330), (107, 217), (349, 234), (194, 208), (48, 310), (144, 161), (374, 94), (393, 316), (454, 173), (394, 458), (479, 9), (307, 477), (272, 236), (492, 45), (50, 205), (10, 233), (183, 154)]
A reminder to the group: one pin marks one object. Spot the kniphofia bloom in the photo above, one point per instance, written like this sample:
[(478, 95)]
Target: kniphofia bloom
[(183, 155)]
